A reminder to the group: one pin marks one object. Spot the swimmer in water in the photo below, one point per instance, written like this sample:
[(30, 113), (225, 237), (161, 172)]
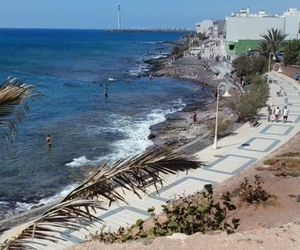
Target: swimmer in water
[(49, 141)]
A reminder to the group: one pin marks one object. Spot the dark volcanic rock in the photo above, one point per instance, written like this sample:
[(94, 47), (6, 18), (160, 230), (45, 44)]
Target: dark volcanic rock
[(159, 126), (151, 136)]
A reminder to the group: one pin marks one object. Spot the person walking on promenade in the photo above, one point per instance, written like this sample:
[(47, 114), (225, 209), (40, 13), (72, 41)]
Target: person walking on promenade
[(49, 141), (285, 113), (269, 113), (277, 114)]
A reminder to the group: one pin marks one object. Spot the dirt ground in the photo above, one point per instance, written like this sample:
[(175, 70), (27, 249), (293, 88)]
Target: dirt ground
[(279, 238), (273, 225)]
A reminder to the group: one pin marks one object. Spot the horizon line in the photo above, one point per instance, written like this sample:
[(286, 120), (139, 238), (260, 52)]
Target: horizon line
[(104, 29)]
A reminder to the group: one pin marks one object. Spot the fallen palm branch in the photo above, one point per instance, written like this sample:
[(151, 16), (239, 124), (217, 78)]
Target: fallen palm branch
[(14, 96), (134, 174), (66, 215)]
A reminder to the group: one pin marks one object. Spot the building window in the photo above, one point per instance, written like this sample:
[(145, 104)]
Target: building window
[(231, 46)]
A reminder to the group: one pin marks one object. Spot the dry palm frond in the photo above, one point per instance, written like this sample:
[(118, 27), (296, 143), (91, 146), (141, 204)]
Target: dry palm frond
[(133, 174), (14, 96), (67, 215)]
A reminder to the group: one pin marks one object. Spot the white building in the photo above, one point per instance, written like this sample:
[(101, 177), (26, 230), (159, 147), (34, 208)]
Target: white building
[(246, 26), (205, 27)]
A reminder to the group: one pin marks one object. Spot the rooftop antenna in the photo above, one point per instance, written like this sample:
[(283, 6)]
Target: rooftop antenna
[(119, 15)]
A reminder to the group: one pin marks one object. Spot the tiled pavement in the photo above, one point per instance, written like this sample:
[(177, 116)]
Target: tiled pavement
[(235, 153)]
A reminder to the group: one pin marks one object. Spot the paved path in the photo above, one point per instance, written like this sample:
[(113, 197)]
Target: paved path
[(235, 154)]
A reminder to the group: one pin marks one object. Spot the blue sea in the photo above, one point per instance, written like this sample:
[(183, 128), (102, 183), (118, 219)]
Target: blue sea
[(71, 68)]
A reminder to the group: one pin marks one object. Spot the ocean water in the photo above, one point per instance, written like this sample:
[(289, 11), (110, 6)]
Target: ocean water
[(70, 68)]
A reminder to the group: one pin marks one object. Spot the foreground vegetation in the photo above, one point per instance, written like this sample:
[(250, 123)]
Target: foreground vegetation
[(104, 187), (189, 215), (14, 97), (200, 212)]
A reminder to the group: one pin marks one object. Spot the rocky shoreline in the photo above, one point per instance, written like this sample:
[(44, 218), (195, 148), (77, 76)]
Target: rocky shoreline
[(177, 131)]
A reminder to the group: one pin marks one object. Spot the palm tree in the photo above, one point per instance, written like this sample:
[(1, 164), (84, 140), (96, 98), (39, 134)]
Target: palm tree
[(14, 97), (272, 40), (263, 49), (78, 208)]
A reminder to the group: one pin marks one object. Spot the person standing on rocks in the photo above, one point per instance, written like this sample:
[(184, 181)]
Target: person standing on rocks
[(194, 118)]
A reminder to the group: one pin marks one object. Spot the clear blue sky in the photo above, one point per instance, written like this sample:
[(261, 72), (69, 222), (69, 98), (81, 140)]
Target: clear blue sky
[(102, 14)]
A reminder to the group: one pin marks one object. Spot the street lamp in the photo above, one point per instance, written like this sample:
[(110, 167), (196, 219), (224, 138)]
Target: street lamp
[(279, 71), (269, 69), (226, 94), (269, 65), (279, 68), (274, 58)]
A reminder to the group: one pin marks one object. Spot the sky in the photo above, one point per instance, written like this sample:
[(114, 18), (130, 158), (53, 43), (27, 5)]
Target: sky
[(102, 14)]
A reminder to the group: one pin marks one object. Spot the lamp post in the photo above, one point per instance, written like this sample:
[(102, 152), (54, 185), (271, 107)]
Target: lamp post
[(226, 94), (279, 71), (269, 69)]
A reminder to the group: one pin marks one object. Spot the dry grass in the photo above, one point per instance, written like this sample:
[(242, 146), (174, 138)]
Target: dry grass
[(286, 164)]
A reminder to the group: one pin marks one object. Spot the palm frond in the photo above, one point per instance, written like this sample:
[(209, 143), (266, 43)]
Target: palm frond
[(133, 174), (66, 215), (263, 49), (14, 96), (273, 39)]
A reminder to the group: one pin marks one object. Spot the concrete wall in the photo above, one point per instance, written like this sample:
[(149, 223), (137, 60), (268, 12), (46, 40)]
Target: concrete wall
[(250, 28), (292, 25)]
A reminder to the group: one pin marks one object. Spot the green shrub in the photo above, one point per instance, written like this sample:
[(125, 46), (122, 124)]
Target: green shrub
[(246, 65), (225, 126), (292, 52), (254, 193), (189, 215), (248, 104)]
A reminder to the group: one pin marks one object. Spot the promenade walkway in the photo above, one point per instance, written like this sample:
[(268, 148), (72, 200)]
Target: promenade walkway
[(235, 153)]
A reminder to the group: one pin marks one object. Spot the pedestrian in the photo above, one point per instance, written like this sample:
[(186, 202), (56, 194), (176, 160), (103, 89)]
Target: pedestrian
[(277, 114), (285, 113), (297, 77), (49, 141), (216, 94), (194, 118), (243, 84), (269, 113)]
